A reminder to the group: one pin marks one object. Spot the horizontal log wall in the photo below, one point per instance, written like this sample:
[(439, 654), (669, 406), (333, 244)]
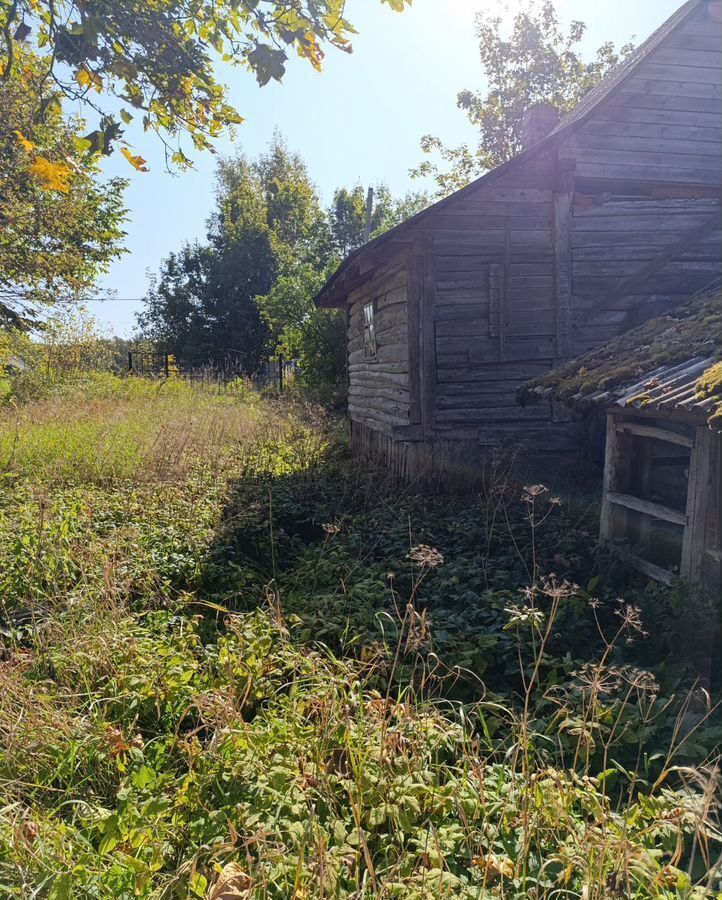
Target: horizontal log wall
[(378, 394)]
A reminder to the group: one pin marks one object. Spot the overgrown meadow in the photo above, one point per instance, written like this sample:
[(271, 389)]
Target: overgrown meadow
[(236, 664)]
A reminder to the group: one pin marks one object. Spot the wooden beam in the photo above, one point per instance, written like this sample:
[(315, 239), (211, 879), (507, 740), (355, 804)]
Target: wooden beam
[(616, 471), (563, 211), (698, 497), (414, 299), (651, 570), (651, 431), (656, 510), (632, 285), (428, 337), (505, 305)]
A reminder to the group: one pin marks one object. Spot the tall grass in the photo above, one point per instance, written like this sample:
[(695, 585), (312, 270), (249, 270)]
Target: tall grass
[(158, 741)]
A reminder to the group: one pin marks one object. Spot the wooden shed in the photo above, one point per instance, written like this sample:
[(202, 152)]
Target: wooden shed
[(606, 219), (661, 386)]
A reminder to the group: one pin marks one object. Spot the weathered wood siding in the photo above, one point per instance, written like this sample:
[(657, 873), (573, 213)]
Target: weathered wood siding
[(493, 308), (662, 125), (598, 231), (379, 387), (648, 172), (615, 238)]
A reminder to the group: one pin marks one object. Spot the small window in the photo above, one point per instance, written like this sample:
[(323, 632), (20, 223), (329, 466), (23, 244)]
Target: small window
[(369, 333)]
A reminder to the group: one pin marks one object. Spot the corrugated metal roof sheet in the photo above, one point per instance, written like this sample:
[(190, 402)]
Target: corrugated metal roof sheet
[(655, 366), (669, 388)]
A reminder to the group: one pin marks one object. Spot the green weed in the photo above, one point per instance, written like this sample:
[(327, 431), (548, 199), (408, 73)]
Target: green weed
[(235, 666)]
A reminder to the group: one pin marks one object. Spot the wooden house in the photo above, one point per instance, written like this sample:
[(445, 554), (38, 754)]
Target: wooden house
[(607, 218), (661, 386)]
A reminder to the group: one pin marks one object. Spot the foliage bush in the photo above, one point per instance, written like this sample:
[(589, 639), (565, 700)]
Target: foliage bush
[(231, 658)]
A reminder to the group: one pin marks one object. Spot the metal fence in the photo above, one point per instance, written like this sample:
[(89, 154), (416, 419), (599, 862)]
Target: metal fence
[(225, 367)]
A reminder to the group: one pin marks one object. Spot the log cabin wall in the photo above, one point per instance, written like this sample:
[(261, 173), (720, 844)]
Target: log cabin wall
[(378, 392), (611, 221)]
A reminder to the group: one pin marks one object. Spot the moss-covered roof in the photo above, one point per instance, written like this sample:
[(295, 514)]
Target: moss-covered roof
[(648, 365)]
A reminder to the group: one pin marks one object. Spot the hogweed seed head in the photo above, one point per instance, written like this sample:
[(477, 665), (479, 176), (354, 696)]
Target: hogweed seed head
[(426, 557)]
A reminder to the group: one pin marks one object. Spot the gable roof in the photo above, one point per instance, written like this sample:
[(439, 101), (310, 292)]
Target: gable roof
[(672, 364), (568, 124)]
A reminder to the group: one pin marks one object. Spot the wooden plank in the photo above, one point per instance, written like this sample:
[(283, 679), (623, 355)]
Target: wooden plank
[(473, 415), (641, 100), (505, 292), (660, 87), (497, 325), (595, 207), (522, 209), (415, 297), (511, 195), (463, 386), (380, 378), (630, 285), (563, 211), (616, 470), (644, 226), (653, 131), (461, 369), (651, 570), (427, 357), (656, 510), (648, 145), (666, 117), (685, 161), (684, 41), (685, 56), (698, 498), (671, 72)]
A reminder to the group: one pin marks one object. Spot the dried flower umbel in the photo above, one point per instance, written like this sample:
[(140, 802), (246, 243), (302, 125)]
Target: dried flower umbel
[(426, 557)]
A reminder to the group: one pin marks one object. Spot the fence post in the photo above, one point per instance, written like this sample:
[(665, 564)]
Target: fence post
[(280, 374), (130, 360), (165, 364)]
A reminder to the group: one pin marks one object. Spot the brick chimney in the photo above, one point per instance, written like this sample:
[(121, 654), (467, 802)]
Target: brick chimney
[(539, 121)]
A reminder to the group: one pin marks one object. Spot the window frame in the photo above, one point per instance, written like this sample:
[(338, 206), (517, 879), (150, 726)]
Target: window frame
[(370, 344)]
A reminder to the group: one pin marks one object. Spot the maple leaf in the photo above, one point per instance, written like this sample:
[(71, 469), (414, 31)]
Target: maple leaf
[(88, 79), (138, 163)]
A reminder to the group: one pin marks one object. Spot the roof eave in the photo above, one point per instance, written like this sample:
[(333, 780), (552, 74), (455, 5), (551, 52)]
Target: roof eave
[(551, 141)]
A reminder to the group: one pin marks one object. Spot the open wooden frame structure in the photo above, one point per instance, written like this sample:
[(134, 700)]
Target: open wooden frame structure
[(663, 479)]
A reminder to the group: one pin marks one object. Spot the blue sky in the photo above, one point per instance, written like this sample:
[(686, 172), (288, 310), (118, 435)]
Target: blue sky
[(360, 120)]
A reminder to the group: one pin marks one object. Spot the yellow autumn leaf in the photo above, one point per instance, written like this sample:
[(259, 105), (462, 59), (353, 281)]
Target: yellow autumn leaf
[(493, 866), (87, 79), (310, 49), (51, 176), (24, 142), (137, 162)]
